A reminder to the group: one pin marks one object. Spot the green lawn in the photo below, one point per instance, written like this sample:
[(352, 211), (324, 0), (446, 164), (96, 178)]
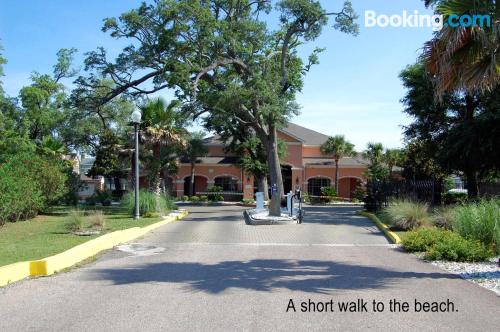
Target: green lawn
[(46, 234)]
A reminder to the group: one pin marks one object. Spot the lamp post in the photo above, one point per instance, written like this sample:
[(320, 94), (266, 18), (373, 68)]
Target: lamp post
[(136, 120)]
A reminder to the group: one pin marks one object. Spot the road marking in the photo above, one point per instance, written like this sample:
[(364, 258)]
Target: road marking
[(140, 249), (387, 245)]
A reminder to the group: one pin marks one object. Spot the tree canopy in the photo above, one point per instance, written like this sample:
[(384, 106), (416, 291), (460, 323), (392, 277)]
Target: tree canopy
[(451, 132), (220, 57)]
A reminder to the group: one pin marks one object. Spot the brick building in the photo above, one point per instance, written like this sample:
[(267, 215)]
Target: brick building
[(303, 166)]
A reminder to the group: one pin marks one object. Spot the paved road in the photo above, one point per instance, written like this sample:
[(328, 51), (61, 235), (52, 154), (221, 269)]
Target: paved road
[(212, 272)]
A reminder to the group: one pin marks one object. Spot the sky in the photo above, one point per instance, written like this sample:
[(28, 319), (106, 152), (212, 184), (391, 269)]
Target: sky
[(355, 90)]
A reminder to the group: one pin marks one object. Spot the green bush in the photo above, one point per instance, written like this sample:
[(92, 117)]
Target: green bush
[(359, 194), (215, 197), (106, 202), (451, 197), (90, 201), (103, 196), (148, 203), (443, 218), (195, 199), (151, 215), (422, 239), (248, 201), (407, 215), (328, 191), (479, 221), (203, 198), (456, 248), (441, 244), (97, 220), (185, 198), (28, 184), (75, 221)]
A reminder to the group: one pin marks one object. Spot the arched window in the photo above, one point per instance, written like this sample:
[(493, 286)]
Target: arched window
[(314, 185), (227, 183)]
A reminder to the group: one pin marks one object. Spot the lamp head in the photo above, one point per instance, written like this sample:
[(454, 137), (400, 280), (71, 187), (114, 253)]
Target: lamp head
[(135, 118)]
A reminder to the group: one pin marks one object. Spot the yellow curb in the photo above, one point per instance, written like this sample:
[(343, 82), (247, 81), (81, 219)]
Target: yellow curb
[(14, 272), (383, 227), (50, 265)]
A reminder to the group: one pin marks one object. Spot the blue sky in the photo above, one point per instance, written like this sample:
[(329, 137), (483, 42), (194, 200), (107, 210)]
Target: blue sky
[(355, 91)]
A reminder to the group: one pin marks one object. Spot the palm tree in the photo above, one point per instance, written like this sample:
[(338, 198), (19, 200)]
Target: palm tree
[(465, 58), (393, 157), (52, 147), (161, 127), (339, 148), (375, 154), (195, 149)]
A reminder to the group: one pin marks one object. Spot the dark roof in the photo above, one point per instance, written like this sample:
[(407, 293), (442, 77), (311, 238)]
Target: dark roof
[(344, 162), (213, 160), (213, 140), (305, 135)]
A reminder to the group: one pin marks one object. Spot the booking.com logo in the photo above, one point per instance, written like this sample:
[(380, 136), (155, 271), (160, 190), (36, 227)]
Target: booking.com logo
[(417, 20)]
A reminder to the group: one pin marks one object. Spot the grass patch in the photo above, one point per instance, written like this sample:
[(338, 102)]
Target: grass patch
[(47, 235), (407, 215), (479, 222)]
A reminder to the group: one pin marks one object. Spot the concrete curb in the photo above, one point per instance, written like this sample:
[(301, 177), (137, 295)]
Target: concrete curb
[(249, 220), (50, 265), (383, 227)]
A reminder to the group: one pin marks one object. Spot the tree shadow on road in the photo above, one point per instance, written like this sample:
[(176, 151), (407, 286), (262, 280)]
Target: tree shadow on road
[(313, 276)]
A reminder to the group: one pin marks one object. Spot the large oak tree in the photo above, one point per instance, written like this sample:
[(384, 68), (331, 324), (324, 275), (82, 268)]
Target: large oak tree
[(220, 57)]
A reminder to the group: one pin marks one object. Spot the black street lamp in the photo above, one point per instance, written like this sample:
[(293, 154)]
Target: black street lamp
[(136, 120)]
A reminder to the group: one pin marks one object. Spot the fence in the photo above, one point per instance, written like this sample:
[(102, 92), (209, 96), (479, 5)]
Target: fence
[(379, 193), (489, 189)]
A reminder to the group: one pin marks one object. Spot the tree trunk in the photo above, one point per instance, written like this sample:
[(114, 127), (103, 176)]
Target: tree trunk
[(274, 172), (337, 176), (472, 185), (156, 184), (262, 185), (191, 182), (470, 167)]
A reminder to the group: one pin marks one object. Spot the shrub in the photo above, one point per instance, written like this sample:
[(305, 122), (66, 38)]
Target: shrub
[(443, 218), (455, 248), (148, 202), (151, 215), (106, 202), (454, 197), (422, 239), (90, 201), (75, 221), (328, 191), (185, 198), (195, 199), (97, 219), (306, 198), (103, 196), (203, 198), (23, 191), (215, 197), (248, 201), (479, 221), (359, 194), (441, 244), (407, 215)]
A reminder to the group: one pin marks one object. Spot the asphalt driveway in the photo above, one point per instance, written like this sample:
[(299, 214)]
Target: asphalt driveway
[(212, 272)]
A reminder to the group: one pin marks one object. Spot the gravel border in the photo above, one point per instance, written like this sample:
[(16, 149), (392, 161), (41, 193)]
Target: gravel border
[(485, 274)]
